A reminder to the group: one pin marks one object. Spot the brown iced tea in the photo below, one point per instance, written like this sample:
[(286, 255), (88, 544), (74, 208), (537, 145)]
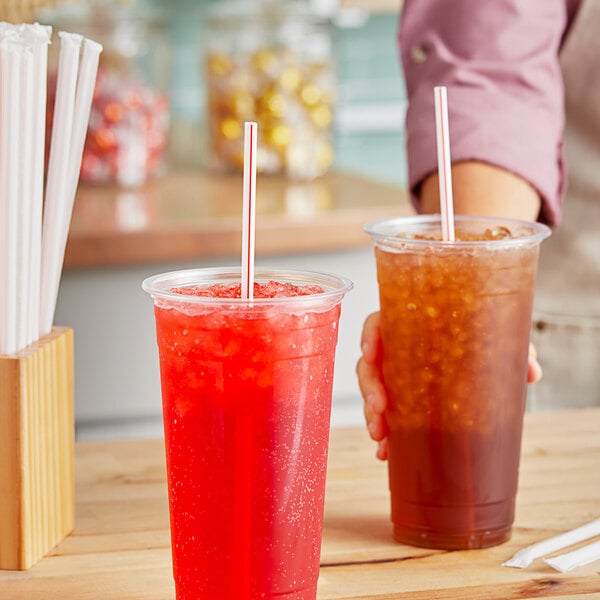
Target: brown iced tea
[(455, 324)]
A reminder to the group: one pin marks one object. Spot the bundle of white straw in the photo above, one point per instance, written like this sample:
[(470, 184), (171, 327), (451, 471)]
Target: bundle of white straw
[(33, 229)]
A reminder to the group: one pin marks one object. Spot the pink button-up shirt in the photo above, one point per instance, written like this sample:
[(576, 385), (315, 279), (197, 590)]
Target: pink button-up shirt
[(500, 62)]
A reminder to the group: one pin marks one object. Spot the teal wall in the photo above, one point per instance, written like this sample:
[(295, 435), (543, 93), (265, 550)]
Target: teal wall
[(370, 77)]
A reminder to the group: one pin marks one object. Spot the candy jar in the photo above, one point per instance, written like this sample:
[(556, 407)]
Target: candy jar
[(270, 62), (129, 122)]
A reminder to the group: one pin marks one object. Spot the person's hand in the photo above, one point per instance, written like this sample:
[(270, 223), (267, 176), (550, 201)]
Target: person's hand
[(370, 381), (534, 369)]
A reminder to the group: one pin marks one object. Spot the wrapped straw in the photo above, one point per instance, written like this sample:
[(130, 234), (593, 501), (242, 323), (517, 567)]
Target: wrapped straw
[(11, 51), (524, 557), (74, 93), (40, 67), (578, 558), (83, 104), (56, 205), (25, 198), (23, 50), (25, 106), (31, 245)]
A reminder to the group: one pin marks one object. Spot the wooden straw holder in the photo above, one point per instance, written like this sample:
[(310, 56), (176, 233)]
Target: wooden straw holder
[(37, 436)]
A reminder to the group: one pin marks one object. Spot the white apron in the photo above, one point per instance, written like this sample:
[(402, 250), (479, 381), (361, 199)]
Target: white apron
[(567, 307)]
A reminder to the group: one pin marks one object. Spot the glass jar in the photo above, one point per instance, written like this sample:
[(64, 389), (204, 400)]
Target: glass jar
[(129, 123), (270, 62)]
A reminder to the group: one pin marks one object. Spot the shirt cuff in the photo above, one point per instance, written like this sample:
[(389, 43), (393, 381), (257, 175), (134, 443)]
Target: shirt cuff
[(522, 137), (500, 64)]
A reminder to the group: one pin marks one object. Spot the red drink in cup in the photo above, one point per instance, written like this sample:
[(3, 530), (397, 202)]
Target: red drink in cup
[(455, 325), (246, 389)]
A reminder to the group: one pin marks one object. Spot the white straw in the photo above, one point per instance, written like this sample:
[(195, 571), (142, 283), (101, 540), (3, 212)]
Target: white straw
[(31, 246), (78, 102), (578, 558), (9, 192), (25, 199), (40, 67), (83, 104), (23, 118), (249, 209), (444, 163), (56, 209), (524, 557)]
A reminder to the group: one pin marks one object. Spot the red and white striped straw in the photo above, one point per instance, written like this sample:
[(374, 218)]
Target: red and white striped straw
[(249, 209), (444, 163)]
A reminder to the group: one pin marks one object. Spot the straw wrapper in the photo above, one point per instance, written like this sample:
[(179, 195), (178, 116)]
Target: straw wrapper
[(74, 92), (57, 204), (523, 558), (11, 52), (577, 558), (40, 67), (33, 229)]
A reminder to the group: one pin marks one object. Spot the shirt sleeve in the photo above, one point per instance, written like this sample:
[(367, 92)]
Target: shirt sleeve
[(499, 61)]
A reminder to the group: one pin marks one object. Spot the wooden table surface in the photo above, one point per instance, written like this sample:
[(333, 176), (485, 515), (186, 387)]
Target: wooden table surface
[(192, 215), (120, 547)]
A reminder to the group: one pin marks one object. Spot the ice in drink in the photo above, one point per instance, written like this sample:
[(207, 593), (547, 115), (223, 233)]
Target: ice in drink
[(455, 326), (246, 390)]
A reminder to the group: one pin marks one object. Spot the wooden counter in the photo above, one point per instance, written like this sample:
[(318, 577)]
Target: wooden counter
[(191, 215), (120, 547)]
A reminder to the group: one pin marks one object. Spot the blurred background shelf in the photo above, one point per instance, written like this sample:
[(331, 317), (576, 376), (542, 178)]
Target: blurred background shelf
[(191, 215)]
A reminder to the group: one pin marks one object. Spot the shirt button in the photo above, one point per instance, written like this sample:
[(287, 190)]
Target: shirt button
[(419, 53)]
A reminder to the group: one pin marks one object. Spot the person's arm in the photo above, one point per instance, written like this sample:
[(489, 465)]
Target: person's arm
[(500, 64), (483, 189)]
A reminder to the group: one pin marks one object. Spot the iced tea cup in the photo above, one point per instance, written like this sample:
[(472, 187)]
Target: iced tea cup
[(246, 391), (455, 326)]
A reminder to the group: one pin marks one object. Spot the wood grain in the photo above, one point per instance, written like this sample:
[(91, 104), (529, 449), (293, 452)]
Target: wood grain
[(120, 546), (37, 431)]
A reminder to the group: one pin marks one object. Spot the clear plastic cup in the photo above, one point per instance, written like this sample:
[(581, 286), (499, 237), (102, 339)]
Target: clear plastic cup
[(455, 327), (246, 389)]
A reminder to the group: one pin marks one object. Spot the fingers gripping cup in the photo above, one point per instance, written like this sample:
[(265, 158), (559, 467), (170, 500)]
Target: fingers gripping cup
[(246, 389), (455, 325)]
